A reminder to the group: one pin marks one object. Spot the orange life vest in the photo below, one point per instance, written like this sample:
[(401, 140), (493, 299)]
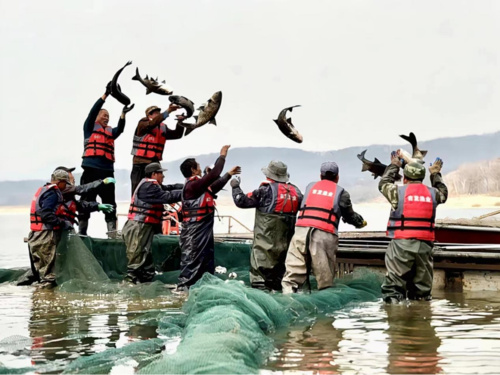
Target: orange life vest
[(415, 216), (36, 223), (100, 143), (151, 144), (197, 209), (142, 211), (320, 207)]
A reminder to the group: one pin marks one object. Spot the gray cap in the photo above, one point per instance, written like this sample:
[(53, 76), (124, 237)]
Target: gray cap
[(153, 167), (277, 171), (329, 166), (60, 175), (414, 171)]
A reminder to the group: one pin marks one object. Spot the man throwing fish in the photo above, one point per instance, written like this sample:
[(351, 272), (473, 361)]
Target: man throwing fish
[(276, 203), (408, 258), (198, 206), (149, 140), (99, 158), (315, 242)]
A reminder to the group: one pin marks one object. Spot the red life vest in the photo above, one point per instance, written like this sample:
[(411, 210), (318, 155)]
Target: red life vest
[(69, 211), (100, 143), (151, 144), (414, 218), (320, 207), (197, 209), (285, 199), (142, 211), (37, 224)]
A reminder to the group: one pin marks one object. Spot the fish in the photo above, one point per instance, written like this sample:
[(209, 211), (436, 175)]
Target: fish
[(116, 91), (206, 113), (286, 126), (184, 102), (152, 85), (416, 152), (376, 167)]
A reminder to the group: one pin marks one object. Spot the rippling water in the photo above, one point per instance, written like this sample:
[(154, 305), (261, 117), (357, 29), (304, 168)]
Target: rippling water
[(454, 334)]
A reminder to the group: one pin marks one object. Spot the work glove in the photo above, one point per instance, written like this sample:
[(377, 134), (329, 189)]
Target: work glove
[(128, 108), (108, 89), (395, 159), (109, 180), (106, 208), (235, 182), (436, 166)]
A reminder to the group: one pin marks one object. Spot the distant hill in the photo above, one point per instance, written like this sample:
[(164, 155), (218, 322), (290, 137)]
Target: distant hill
[(303, 166)]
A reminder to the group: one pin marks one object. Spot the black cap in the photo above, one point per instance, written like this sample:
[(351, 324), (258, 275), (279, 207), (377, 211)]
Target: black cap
[(65, 169)]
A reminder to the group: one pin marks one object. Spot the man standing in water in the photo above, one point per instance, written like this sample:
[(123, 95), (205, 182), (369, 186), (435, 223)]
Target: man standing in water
[(99, 158), (198, 206), (276, 203), (408, 258)]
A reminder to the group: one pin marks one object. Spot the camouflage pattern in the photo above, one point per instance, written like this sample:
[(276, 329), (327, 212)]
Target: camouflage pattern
[(409, 270), (310, 245), (61, 175), (414, 171), (138, 238), (42, 246), (390, 190)]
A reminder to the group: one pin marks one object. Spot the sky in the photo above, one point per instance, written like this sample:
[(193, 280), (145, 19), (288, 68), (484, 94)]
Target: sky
[(363, 72)]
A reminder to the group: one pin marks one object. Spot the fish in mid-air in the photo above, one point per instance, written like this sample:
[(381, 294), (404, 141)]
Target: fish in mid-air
[(116, 91), (207, 113), (152, 85), (417, 154), (183, 102), (286, 126), (376, 167)]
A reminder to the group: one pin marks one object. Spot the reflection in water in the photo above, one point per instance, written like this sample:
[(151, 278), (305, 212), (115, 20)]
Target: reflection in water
[(413, 344), (457, 333)]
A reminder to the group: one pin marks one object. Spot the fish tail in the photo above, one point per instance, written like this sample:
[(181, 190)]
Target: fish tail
[(137, 76)]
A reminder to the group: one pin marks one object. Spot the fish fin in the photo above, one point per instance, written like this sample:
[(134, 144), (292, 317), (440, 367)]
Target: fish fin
[(423, 152), (147, 77), (156, 79), (365, 167), (362, 155), (196, 118), (148, 91), (374, 176), (201, 108), (292, 107), (377, 161), (137, 76), (163, 82), (277, 123), (212, 121)]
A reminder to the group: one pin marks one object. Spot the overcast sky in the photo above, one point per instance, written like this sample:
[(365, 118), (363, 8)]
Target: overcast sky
[(363, 71)]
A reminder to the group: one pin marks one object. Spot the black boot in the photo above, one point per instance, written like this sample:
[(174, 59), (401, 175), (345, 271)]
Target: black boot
[(83, 225)]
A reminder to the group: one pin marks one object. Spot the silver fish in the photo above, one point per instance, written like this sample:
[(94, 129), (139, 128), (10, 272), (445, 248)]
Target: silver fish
[(376, 167), (286, 126), (207, 113), (416, 152), (152, 85), (184, 102)]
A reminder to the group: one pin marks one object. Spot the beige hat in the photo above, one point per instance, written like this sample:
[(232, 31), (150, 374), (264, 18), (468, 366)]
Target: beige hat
[(151, 109), (60, 175), (277, 171)]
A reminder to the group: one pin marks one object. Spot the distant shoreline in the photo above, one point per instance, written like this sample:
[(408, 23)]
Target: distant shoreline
[(458, 201)]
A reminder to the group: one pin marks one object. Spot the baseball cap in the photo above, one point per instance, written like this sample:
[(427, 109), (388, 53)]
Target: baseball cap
[(153, 167), (65, 169), (329, 166), (60, 175), (151, 109)]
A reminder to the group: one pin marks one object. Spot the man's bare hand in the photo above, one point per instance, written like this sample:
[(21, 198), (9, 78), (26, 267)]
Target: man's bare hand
[(223, 151), (234, 170), (172, 108)]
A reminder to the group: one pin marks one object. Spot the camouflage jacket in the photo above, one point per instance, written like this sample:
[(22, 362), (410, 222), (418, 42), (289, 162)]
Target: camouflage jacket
[(390, 190)]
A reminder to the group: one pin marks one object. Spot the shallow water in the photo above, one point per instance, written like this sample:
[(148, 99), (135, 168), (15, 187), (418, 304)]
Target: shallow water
[(455, 333)]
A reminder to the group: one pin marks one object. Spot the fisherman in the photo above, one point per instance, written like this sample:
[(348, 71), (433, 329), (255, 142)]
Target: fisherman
[(315, 242), (47, 223), (408, 258), (72, 205), (98, 159), (276, 202), (149, 140), (144, 221), (198, 206)]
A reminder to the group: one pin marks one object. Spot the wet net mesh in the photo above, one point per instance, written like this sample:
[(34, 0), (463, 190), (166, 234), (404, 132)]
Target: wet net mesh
[(224, 326)]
